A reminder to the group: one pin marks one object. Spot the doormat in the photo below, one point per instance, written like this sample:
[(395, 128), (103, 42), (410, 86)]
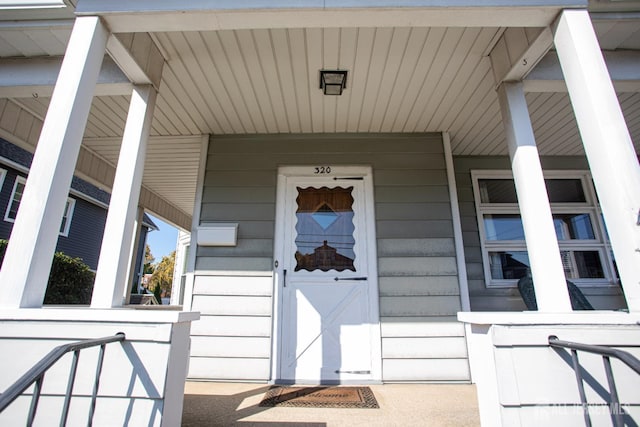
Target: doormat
[(320, 397)]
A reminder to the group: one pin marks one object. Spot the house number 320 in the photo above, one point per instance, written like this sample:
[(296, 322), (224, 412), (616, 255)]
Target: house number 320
[(322, 170)]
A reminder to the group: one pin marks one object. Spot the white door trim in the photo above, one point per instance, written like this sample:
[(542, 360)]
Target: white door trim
[(328, 171)]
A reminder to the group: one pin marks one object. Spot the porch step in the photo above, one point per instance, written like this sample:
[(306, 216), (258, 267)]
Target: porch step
[(227, 404)]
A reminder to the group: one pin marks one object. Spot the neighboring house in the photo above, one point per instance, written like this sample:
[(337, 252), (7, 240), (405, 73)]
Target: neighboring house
[(85, 211), (364, 183), (82, 226)]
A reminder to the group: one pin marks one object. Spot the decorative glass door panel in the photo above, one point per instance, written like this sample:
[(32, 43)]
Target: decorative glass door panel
[(324, 229), (327, 316)]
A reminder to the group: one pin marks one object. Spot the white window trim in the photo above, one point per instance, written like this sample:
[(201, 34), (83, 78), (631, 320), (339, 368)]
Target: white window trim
[(20, 179), (69, 215), (3, 175), (591, 207)]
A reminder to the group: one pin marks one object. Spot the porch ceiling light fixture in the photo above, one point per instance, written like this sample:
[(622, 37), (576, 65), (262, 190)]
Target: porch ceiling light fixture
[(333, 82)]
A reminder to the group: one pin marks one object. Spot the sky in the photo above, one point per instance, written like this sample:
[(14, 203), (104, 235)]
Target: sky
[(163, 241)]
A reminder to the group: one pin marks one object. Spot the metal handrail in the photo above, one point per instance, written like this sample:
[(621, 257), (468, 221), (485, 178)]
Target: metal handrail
[(606, 353), (36, 374)]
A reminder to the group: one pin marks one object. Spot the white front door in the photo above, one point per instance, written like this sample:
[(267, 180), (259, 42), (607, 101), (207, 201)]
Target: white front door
[(328, 287)]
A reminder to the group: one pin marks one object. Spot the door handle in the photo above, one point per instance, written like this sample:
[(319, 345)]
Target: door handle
[(349, 278)]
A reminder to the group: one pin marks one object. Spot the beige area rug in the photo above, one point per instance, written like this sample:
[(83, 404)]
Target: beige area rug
[(320, 397)]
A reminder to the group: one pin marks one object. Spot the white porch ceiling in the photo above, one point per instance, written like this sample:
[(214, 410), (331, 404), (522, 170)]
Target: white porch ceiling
[(401, 79)]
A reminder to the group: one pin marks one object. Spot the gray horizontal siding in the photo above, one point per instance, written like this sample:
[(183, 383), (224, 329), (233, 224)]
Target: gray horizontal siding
[(232, 326), (230, 212), (424, 286), (433, 370), (422, 327), (418, 276), (424, 348), (247, 247), (232, 369), (432, 348), (331, 144), (390, 177), (233, 264), (411, 193), (232, 339), (410, 306), (416, 247), (410, 229), (482, 298), (250, 161), (413, 211), (417, 266), (416, 254)]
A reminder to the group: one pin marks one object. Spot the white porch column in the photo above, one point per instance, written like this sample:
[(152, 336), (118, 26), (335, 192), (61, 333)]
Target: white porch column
[(133, 275), (542, 244), (111, 276), (35, 233), (607, 143)]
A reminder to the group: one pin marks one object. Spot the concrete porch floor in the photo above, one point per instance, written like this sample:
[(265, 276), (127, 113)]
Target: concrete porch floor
[(228, 404)]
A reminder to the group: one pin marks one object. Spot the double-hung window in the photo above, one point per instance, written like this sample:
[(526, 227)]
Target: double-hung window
[(16, 197), (584, 248), (14, 200), (3, 175), (65, 225)]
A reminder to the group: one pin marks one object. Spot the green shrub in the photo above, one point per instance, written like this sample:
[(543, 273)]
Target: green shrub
[(70, 281)]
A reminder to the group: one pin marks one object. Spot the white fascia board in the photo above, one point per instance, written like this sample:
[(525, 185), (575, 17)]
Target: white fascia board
[(623, 66), (26, 77), (205, 15), (31, 4), (119, 6), (352, 18), (17, 10)]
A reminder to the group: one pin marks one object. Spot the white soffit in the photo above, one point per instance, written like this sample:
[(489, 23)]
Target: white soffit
[(256, 81), (34, 38), (400, 80), (171, 166)]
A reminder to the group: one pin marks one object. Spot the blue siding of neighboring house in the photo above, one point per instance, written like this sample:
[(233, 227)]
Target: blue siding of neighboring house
[(85, 235), (87, 222), (86, 230), (84, 239)]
